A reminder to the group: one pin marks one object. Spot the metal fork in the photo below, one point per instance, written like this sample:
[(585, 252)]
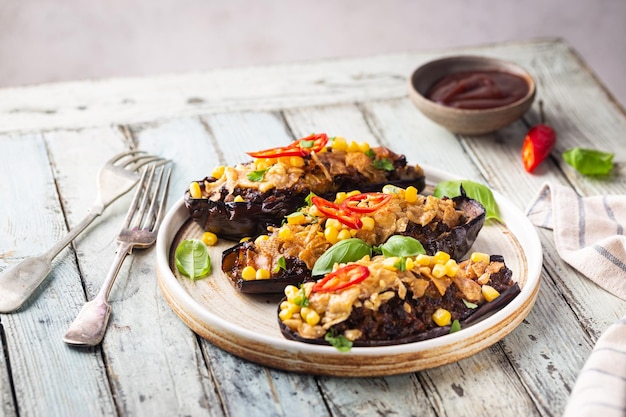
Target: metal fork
[(139, 231), (115, 178)]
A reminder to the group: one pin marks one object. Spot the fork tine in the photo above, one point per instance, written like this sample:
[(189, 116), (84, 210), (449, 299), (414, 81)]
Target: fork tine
[(132, 209), (151, 221)]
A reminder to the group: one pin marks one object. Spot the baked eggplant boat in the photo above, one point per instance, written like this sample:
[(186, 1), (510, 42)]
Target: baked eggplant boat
[(243, 200), (353, 225), (385, 301)]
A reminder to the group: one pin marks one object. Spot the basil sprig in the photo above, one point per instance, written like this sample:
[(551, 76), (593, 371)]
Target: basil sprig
[(340, 342), (589, 161), (192, 259), (402, 246), (473, 190), (257, 176), (347, 250)]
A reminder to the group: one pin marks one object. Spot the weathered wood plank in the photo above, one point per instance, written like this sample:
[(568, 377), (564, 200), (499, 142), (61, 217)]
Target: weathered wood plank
[(154, 363), (136, 100), (40, 362)]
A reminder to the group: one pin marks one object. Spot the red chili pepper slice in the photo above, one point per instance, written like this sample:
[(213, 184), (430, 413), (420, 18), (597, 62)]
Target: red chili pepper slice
[(366, 202), (300, 147), (538, 144), (312, 143), (342, 278), (335, 211)]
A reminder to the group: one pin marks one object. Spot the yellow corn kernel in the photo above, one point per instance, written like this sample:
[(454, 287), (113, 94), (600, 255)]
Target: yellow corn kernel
[(271, 161), (344, 234), (244, 239), (291, 291), (260, 239), (410, 194), (441, 257), (262, 273), (331, 234), (368, 223), (479, 257), (260, 164), (310, 316), (284, 233), (333, 223), (238, 199), (353, 192), (289, 311), (339, 143), (314, 211), (194, 190), (284, 305), (209, 238), (353, 147), (390, 263), (364, 147), (452, 268), (340, 196), (218, 172), (409, 264), (248, 273), (489, 293), (424, 260), (439, 270), (296, 161), (296, 218), (442, 317)]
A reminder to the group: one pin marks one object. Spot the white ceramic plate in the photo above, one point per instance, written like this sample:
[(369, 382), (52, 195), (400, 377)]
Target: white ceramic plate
[(246, 325)]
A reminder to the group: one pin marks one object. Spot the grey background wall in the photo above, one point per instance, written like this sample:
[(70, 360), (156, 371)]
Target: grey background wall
[(57, 40)]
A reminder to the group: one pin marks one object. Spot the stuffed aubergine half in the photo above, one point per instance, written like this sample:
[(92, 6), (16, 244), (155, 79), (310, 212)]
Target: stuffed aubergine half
[(383, 301), (353, 225), (243, 200)]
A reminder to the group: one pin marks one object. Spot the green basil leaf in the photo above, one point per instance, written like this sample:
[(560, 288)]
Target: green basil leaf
[(301, 299), (280, 264), (306, 143), (402, 246), (383, 163), (307, 200), (341, 343), (192, 259), (257, 176), (370, 153), (455, 327), (474, 190), (348, 250), (589, 161)]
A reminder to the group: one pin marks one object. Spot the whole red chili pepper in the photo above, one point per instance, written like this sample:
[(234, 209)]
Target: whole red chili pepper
[(538, 143)]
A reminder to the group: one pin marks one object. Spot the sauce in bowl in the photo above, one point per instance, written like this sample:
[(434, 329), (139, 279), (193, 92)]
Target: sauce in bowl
[(478, 89)]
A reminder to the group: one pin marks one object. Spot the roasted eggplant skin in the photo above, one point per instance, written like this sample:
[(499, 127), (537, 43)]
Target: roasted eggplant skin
[(295, 272), (413, 331), (456, 241), (235, 220)]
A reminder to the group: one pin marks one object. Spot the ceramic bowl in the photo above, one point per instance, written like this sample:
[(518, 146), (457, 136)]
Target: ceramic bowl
[(468, 121)]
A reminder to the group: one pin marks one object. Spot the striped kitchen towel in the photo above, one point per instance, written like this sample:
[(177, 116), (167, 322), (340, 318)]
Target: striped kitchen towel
[(600, 389), (588, 232)]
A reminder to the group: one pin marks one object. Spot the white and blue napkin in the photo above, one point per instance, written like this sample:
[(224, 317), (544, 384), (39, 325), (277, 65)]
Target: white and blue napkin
[(589, 235)]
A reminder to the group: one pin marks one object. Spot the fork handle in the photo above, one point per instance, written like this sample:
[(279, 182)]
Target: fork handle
[(90, 324), (23, 279)]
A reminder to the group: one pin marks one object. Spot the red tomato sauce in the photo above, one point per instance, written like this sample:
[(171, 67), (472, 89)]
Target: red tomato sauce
[(478, 90)]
